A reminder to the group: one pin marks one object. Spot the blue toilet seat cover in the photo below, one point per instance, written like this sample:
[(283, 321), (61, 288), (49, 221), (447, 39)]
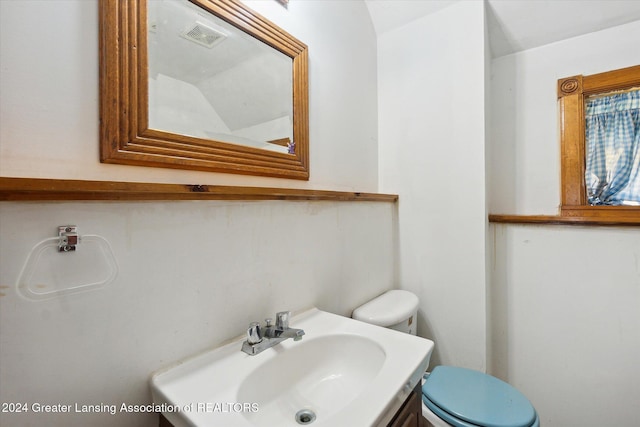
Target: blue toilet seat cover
[(477, 398)]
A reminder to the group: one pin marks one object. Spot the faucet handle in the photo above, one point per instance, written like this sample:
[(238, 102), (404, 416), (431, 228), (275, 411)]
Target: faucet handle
[(254, 333), (268, 322), (282, 320)]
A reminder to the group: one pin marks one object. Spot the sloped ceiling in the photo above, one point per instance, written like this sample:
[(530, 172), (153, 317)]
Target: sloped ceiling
[(516, 25), (245, 81)]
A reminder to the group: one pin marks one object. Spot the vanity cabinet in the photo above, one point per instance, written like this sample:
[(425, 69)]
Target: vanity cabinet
[(410, 414), (164, 422)]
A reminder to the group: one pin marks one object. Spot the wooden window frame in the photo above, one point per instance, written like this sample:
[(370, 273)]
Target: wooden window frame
[(572, 92)]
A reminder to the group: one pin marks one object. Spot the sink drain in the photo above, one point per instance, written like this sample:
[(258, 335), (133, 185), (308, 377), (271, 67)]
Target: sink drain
[(305, 416)]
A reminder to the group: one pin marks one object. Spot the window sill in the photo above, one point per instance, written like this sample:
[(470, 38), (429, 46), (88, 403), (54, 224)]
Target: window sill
[(35, 189), (578, 215)]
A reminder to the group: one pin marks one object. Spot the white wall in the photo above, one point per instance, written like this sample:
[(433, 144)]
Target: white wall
[(564, 301), (431, 96), (566, 321), (49, 103), (191, 274), (525, 174), (180, 107)]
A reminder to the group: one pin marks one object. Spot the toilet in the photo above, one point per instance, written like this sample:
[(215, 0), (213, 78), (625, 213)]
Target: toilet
[(452, 396)]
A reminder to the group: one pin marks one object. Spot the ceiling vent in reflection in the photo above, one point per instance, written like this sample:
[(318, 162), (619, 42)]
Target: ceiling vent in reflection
[(203, 35)]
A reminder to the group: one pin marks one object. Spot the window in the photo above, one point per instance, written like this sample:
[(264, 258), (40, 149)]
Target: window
[(612, 136), (600, 172)]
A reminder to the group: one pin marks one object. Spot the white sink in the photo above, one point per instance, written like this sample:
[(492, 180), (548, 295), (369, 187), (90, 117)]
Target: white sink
[(346, 372), (326, 381)]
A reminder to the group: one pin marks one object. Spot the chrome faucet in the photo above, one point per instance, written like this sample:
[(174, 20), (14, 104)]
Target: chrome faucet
[(259, 339)]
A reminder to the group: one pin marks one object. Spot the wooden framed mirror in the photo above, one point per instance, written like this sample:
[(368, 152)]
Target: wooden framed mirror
[(137, 126)]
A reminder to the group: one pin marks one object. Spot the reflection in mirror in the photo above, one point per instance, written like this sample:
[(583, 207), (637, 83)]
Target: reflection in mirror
[(209, 80), (203, 85)]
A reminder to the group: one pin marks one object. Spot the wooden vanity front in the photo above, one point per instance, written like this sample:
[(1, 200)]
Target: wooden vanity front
[(410, 414)]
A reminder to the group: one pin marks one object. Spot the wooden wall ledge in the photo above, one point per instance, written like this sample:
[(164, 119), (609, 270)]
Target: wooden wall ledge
[(622, 218), (26, 189)]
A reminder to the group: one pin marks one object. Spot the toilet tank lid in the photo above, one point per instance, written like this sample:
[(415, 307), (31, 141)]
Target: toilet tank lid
[(388, 309)]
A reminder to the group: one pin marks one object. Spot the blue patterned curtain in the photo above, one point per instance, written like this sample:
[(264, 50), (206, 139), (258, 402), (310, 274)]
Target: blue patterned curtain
[(612, 172)]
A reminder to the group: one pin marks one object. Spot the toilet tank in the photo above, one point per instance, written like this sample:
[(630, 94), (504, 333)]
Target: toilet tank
[(395, 309)]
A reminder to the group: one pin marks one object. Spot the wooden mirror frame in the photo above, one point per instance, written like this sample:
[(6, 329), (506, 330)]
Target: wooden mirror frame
[(125, 137)]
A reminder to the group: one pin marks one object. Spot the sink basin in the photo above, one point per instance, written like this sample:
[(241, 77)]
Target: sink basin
[(325, 381), (342, 373)]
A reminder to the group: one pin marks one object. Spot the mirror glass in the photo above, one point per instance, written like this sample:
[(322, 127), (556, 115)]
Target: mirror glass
[(208, 79), (203, 85)]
